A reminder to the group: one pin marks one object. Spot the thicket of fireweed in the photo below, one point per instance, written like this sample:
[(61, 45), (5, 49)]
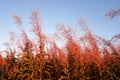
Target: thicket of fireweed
[(87, 57)]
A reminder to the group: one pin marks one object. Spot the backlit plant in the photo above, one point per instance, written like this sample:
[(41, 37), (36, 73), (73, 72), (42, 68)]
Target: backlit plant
[(86, 57)]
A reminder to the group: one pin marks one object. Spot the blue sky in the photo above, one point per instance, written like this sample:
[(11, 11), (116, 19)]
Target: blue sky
[(66, 12)]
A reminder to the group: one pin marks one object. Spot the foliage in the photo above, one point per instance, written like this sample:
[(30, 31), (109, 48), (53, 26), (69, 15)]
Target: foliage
[(113, 13), (87, 57)]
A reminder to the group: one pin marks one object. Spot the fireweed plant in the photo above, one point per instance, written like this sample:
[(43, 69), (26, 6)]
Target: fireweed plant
[(86, 57)]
